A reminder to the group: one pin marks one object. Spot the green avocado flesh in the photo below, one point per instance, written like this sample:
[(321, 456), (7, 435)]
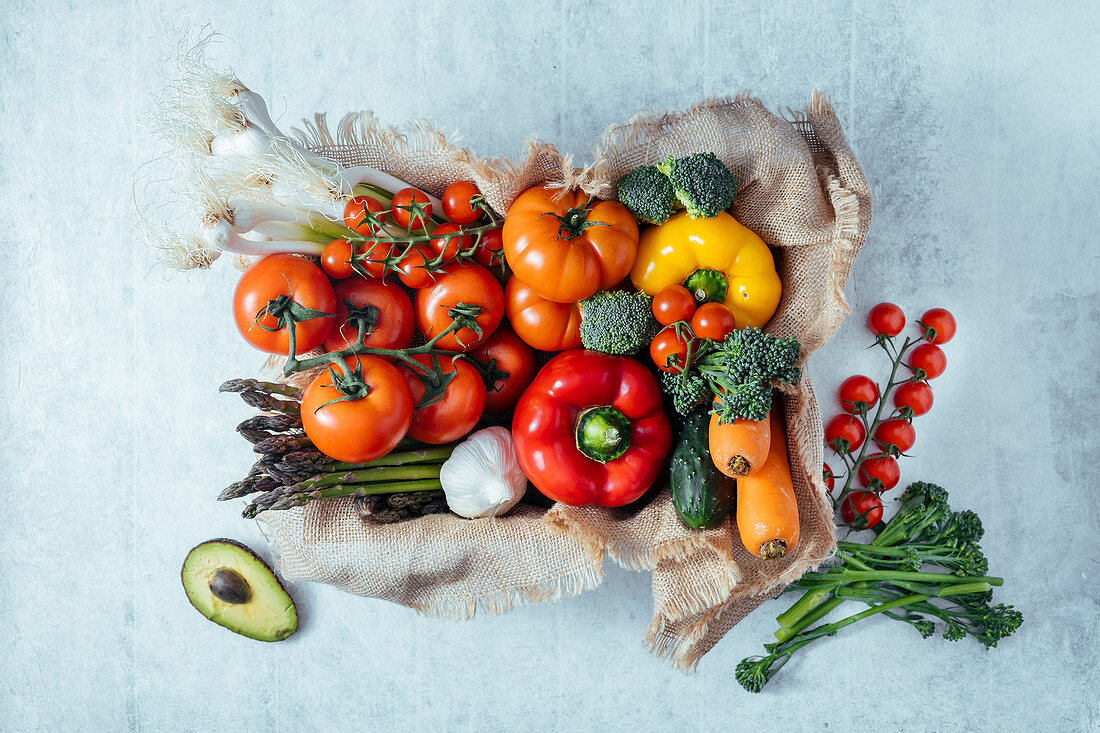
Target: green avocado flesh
[(232, 587)]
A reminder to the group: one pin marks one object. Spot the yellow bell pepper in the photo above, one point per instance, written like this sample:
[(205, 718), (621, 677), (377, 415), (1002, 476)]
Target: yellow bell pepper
[(716, 259)]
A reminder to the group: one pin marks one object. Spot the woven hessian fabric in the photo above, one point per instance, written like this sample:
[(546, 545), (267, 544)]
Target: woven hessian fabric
[(802, 191)]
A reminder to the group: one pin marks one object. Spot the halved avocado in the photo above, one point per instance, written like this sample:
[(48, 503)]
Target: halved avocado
[(226, 582)]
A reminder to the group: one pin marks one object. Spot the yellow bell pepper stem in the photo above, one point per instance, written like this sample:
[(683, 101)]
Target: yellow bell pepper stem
[(675, 252)]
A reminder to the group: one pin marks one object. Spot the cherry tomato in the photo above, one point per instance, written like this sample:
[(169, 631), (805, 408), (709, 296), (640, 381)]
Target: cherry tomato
[(374, 263), (508, 353), (896, 434), (355, 214), (672, 304), (490, 248), (410, 209), (942, 322), (848, 428), (880, 467), (927, 361), (362, 429), (467, 283), (665, 345), (412, 267), (456, 413), (544, 324), (713, 321), (828, 476), (336, 259), (916, 397), (394, 326), (856, 391), (456, 202), (861, 509), (886, 318), (450, 246), (283, 275)]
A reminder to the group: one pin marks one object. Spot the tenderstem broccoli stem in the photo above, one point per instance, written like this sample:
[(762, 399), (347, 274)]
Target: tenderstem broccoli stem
[(845, 577), (830, 629)]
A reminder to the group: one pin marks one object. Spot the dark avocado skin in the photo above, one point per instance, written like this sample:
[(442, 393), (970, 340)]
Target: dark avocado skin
[(237, 609), (702, 495)]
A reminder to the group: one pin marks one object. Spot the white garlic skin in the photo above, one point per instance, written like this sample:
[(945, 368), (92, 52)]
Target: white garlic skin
[(483, 478)]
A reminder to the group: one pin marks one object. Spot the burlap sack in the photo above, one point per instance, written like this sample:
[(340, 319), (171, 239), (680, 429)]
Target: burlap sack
[(802, 191)]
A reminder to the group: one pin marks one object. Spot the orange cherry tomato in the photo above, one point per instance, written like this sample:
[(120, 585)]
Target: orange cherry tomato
[(713, 321), (566, 246), (542, 323), (456, 413), (394, 326), (466, 283), (283, 275), (355, 214), (508, 353), (672, 304), (361, 429)]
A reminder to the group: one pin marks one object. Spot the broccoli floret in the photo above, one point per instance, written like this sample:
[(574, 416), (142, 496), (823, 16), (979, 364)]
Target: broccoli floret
[(743, 368), (688, 390), (618, 322), (702, 184), (648, 194)]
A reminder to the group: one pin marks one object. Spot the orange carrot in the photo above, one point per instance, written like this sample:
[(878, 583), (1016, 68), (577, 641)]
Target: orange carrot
[(740, 447), (767, 513)]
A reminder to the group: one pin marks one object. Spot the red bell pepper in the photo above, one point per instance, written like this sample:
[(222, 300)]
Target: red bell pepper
[(591, 429)]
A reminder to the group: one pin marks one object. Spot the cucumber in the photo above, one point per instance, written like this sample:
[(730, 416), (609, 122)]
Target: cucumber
[(702, 494)]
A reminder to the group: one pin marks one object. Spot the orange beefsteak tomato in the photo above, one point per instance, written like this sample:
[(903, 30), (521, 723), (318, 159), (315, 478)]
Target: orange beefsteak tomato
[(542, 323), (565, 245)]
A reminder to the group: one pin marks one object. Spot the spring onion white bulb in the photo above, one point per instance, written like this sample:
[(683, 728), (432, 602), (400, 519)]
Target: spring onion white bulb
[(219, 234), (483, 478)]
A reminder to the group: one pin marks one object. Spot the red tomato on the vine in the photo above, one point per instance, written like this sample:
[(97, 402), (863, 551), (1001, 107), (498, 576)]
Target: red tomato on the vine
[(468, 283), (666, 345), (857, 389), (897, 434), (412, 268), (489, 248), (411, 209), (942, 322), (452, 245), (283, 278), (394, 326), (880, 467), (511, 355), (376, 253), (861, 509), (914, 396), (886, 318), (355, 214), (358, 429), (336, 259), (456, 413), (712, 321), (828, 476), (848, 428), (672, 304), (929, 359), (456, 202)]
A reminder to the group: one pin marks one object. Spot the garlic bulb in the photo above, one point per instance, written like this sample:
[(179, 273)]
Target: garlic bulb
[(482, 478)]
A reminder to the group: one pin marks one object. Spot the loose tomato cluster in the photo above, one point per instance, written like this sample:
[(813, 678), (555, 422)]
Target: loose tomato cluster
[(892, 431)]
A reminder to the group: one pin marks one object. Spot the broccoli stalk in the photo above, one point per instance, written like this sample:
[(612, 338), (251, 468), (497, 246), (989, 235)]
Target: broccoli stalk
[(741, 370), (699, 183), (703, 184), (886, 575), (618, 322)]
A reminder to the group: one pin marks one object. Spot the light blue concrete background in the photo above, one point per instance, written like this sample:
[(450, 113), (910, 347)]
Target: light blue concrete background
[(976, 124)]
